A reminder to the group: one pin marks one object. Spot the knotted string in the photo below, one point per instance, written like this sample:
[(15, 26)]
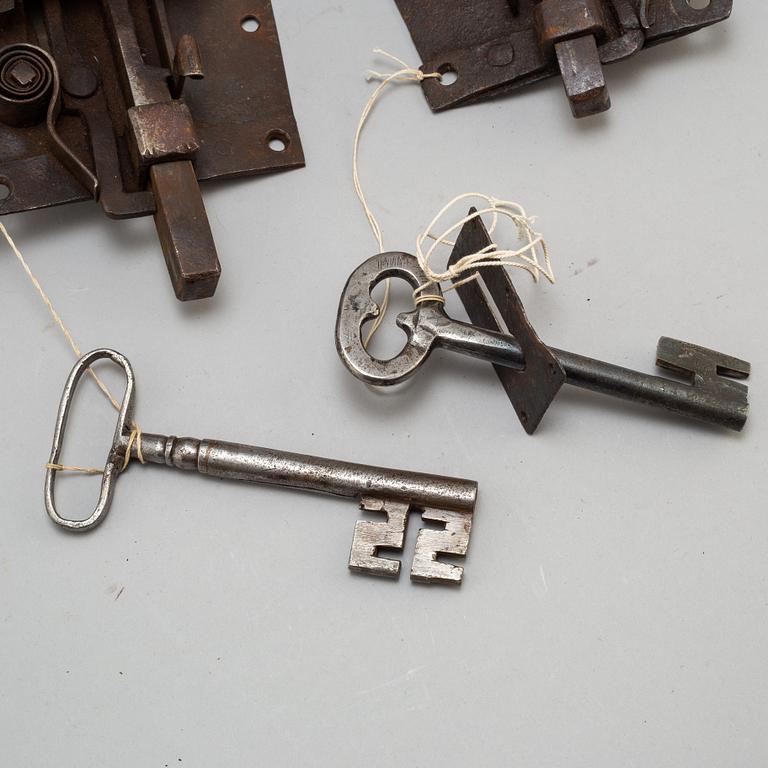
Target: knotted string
[(526, 257), (135, 436), (403, 75)]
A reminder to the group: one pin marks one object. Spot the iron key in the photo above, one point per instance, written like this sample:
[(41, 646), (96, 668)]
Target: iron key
[(711, 396), (392, 493)]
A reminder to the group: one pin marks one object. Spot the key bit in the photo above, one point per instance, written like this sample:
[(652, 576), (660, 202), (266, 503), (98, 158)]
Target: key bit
[(372, 536), (452, 540), (395, 493)]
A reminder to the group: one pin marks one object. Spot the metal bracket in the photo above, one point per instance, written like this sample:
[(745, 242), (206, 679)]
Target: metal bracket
[(496, 46), (132, 104), (532, 389)]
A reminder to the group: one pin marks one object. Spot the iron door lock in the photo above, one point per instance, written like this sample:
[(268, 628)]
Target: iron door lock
[(496, 46), (132, 103)]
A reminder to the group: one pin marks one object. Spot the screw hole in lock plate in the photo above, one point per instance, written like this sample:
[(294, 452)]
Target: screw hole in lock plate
[(278, 141), (250, 24), (5, 191), (449, 75), (699, 5)]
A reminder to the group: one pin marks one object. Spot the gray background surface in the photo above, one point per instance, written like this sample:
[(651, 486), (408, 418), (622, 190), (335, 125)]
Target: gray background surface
[(615, 604)]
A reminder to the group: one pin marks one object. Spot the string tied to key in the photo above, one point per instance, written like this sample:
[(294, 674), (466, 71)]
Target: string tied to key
[(403, 75), (531, 256), (135, 435)]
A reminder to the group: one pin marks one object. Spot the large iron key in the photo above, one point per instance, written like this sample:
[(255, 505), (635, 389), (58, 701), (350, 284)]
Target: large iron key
[(394, 493), (711, 394)]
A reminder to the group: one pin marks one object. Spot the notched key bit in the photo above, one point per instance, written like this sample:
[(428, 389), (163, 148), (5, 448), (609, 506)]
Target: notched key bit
[(371, 536), (452, 540), (705, 367), (395, 492)]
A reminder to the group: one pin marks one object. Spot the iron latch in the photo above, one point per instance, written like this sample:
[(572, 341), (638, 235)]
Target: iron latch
[(132, 103), (496, 46)]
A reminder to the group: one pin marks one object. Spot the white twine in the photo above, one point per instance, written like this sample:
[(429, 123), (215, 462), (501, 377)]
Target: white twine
[(403, 75), (526, 257), (532, 256), (135, 436)]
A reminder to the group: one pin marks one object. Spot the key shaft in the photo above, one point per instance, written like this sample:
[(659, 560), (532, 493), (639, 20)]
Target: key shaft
[(236, 461), (698, 402)]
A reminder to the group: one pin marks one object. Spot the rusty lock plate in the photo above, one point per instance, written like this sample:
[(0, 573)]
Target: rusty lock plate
[(132, 102), (497, 46)]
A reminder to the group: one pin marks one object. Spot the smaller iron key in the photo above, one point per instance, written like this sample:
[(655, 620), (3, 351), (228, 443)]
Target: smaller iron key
[(711, 395), (393, 493)]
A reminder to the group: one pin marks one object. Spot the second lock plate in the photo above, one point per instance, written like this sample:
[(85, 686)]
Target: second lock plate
[(497, 46)]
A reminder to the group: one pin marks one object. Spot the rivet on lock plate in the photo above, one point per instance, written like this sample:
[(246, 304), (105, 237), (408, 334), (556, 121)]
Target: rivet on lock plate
[(132, 104)]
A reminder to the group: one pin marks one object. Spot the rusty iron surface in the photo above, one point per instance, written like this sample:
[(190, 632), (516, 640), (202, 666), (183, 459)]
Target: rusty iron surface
[(131, 84), (497, 46), (185, 235), (532, 389)]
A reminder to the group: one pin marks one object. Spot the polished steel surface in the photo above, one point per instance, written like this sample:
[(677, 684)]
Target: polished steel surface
[(371, 535), (392, 492), (115, 458)]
